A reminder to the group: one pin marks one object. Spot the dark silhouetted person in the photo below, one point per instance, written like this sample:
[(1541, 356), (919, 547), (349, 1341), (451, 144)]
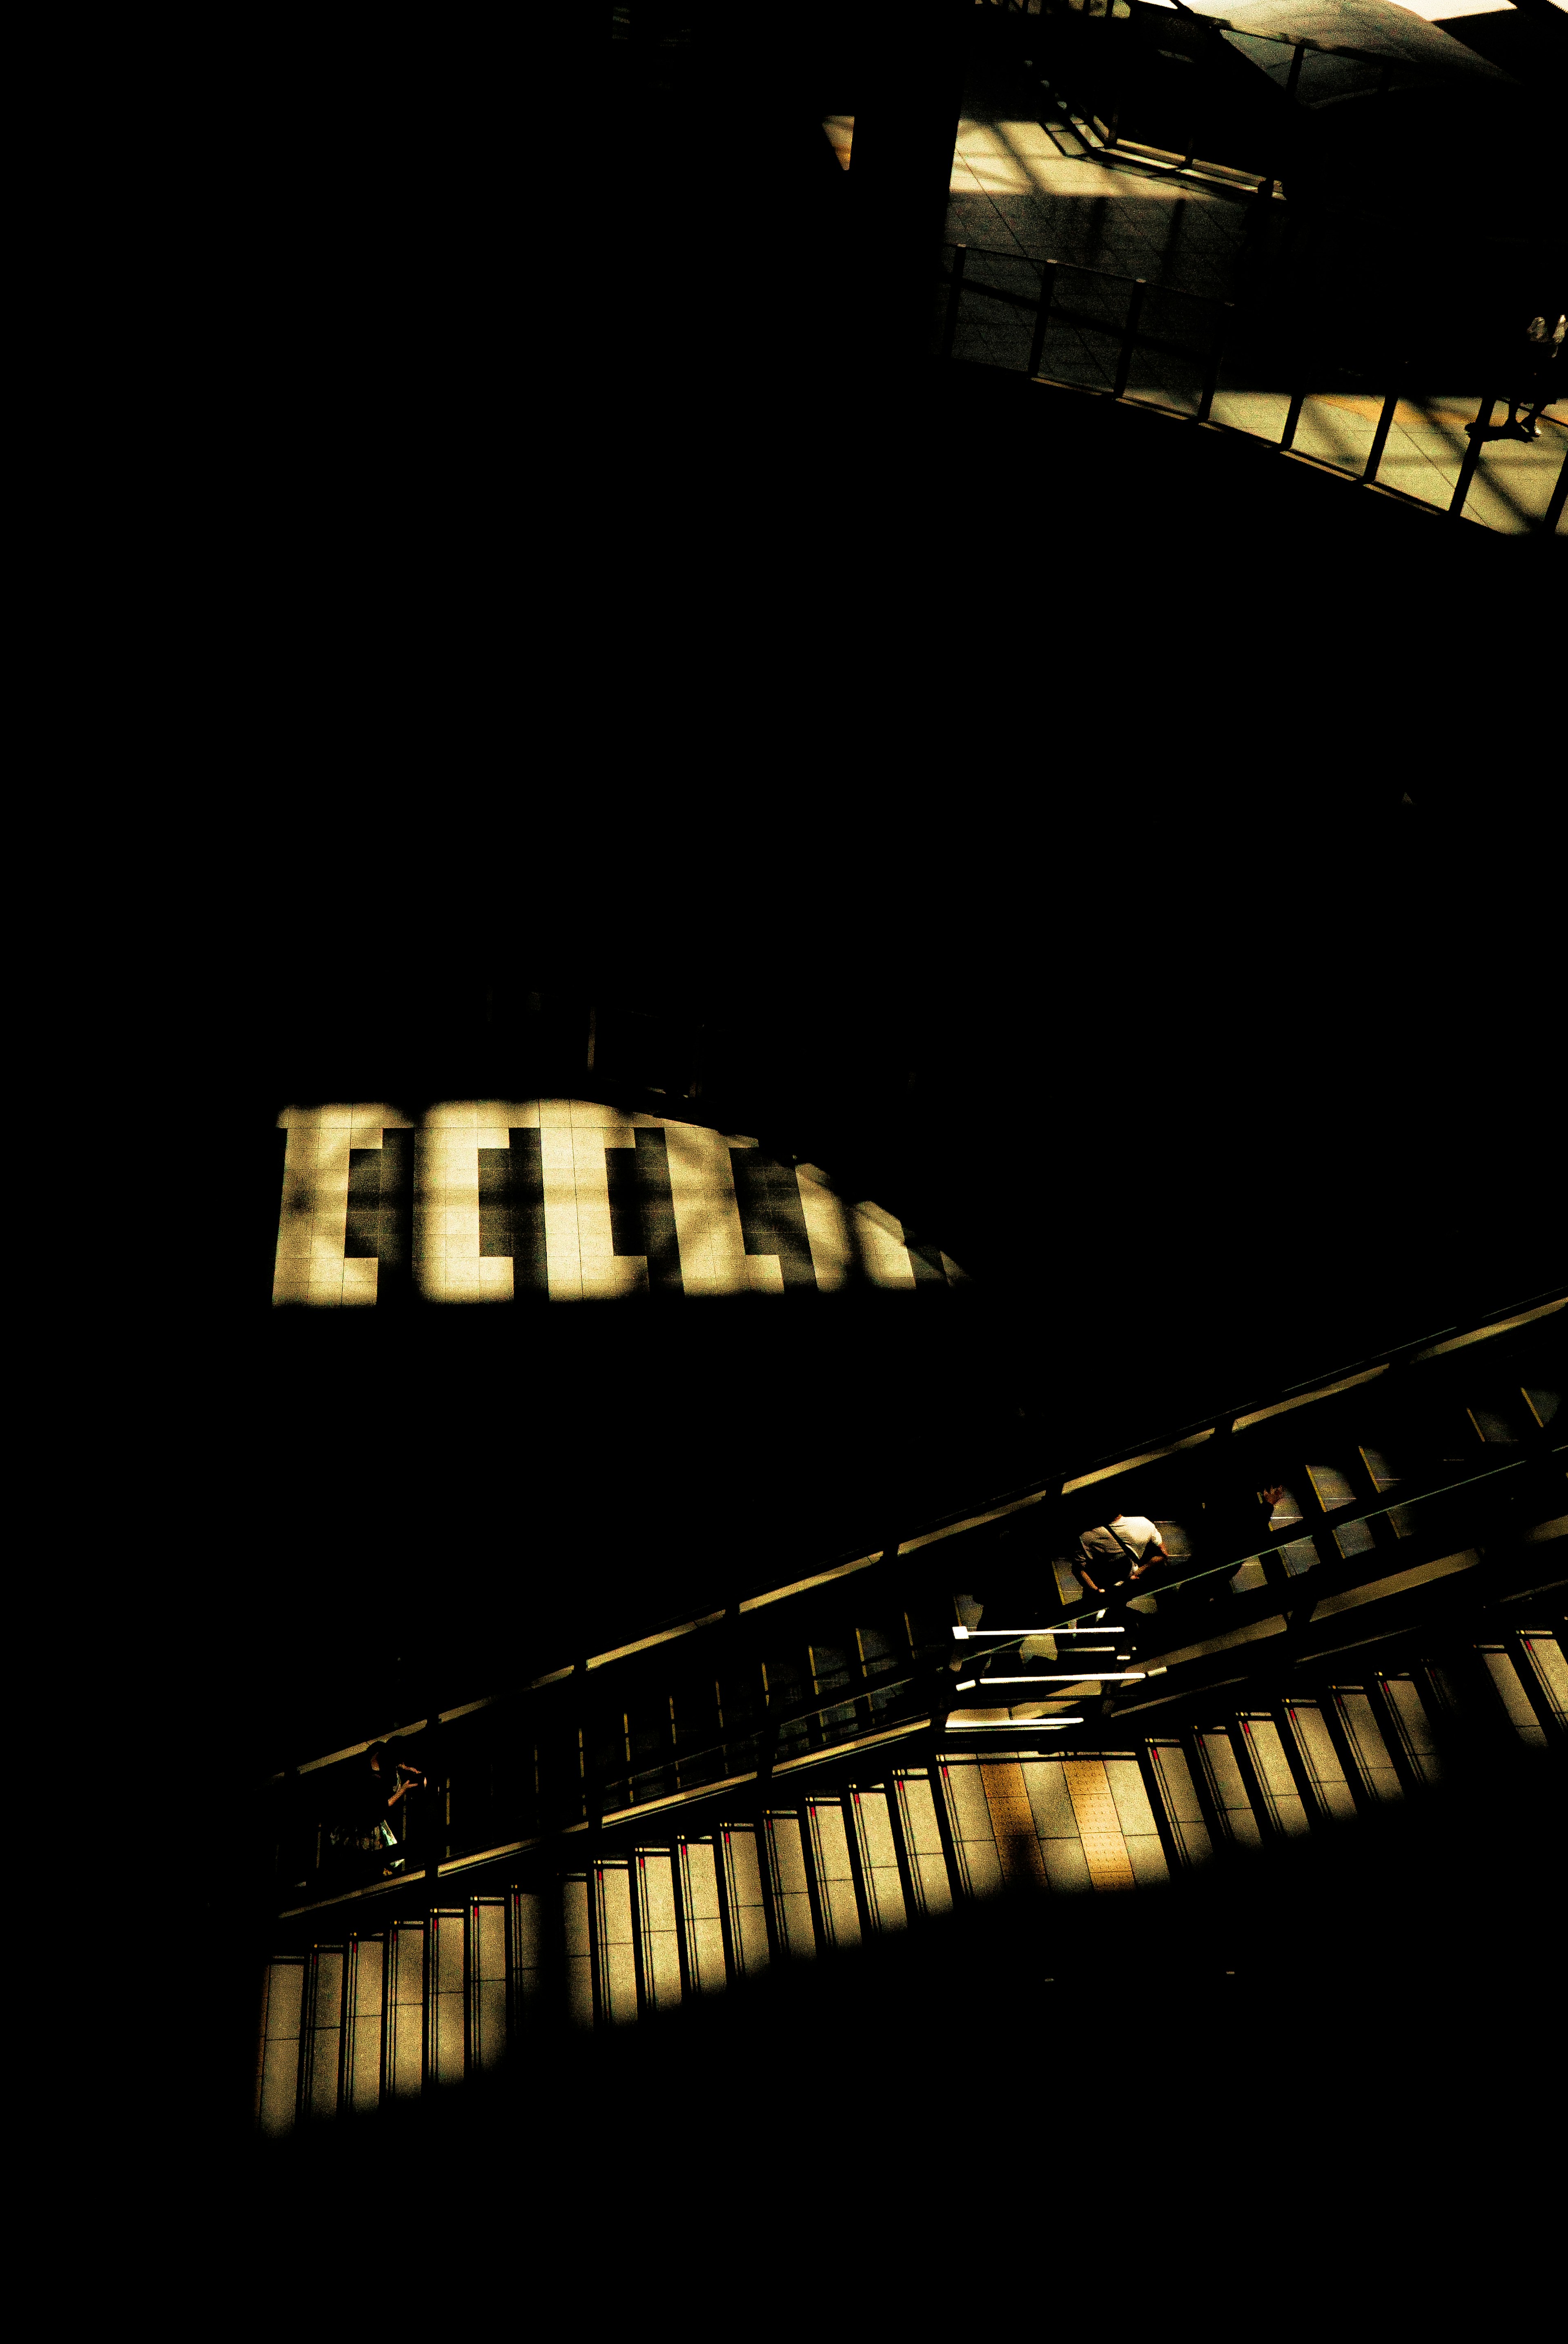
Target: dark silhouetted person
[(1235, 1525), (1538, 388), (390, 1780)]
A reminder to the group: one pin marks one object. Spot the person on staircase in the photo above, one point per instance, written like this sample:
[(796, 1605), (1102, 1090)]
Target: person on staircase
[(1232, 1526), (391, 1779), (1124, 1549), (1541, 355)]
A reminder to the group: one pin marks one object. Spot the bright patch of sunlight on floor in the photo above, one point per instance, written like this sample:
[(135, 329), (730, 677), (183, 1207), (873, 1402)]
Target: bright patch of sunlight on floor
[(487, 1199)]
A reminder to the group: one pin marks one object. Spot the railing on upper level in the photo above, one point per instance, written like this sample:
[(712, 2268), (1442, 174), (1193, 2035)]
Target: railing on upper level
[(1070, 299), (1086, 79), (1157, 64)]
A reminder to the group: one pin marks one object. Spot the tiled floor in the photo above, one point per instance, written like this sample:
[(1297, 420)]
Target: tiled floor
[(567, 1200), (1022, 193)]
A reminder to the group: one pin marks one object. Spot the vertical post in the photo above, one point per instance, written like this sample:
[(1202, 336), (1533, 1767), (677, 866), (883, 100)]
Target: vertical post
[(1553, 513), (1113, 108), (905, 124), (1129, 334), (1048, 289), (1380, 435), (1216, 353), (954, 295), (1286, 108), (1478, 432), (1293, 417)]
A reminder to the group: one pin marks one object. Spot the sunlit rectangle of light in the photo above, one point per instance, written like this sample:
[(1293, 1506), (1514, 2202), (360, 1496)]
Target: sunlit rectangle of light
[(882, 1248), (312, 1221), (846, 1241), (827, 1228), (1100, 1822), (603, 1271)]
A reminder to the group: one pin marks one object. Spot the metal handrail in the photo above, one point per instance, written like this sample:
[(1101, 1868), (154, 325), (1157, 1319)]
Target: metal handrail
[(1332, 1518), (756, 1751), (1477, 432), (1151, 1450), (907, 1687), (1159, 1443), (1299, 42)]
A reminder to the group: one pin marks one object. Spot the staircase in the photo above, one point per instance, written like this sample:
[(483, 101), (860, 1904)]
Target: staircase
[(853, 1760)]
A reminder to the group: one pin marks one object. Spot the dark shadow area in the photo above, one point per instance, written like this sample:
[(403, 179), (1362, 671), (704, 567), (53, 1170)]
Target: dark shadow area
[(1342, 1995), (488, 1492), (942, 776), (1530, 43), (1419, 217)]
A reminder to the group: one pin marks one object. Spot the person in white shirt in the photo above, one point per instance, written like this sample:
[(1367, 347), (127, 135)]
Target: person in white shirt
[(1105, 1552)]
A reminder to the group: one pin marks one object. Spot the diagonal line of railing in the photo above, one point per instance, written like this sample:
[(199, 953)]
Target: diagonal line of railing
[(1131, 336)]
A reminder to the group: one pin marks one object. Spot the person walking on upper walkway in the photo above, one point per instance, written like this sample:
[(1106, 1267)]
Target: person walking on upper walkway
[(1542, 343)]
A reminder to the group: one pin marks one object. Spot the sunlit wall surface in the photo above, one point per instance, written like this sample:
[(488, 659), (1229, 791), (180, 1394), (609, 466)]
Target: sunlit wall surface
[(562, 1200)]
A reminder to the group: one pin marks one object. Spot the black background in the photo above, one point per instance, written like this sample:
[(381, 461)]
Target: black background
[(1212, 1092), (480, 642)]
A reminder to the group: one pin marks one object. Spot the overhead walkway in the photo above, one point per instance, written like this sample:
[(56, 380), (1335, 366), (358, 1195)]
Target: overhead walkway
[(1172, 277), (808, 1771)]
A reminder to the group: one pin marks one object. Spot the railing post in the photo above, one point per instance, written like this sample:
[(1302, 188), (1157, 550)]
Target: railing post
[(1554, 512), (1292, 416), (1113, 109), (1216, 352), (1048, 289), (954, 295), (1380, 437), (1282, 145), (1478, 432), (1129, 334)]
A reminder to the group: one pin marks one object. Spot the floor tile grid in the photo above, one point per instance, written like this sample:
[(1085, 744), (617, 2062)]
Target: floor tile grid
[(449, 1264), (1078, 348), (1015, 187), (1421, 458)]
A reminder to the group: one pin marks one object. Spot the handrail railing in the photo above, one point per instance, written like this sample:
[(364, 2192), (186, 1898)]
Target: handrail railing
[(919, 1699), (1332, 1519), (1390, 71), (1056, 1485), (1288, 102), (1044, 304), (1157, 8)]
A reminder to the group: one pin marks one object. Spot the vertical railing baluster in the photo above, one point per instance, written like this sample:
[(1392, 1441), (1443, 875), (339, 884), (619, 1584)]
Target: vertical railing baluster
[(954, 295), (1478, 432), (1129, 334), (1292, 417), (1380, 437), (1554, 512), (1048, 289), (1223, 324)]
